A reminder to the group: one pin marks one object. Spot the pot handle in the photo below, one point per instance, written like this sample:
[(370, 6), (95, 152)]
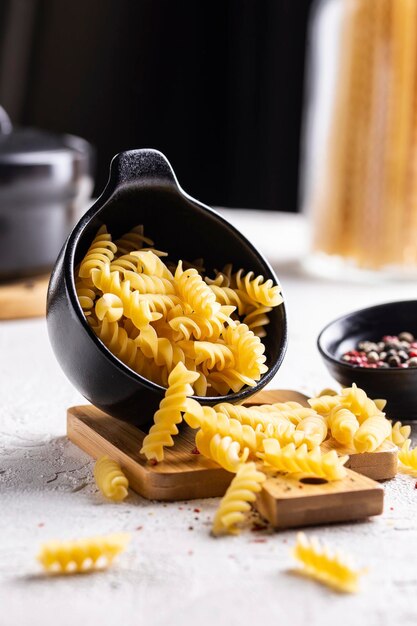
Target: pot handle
[(141, 166), (5, 123)]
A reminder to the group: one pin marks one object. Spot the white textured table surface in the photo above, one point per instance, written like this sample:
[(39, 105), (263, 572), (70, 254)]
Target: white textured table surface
[(173, 571)]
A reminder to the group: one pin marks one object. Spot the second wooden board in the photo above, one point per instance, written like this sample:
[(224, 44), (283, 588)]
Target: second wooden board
[(287, 502)]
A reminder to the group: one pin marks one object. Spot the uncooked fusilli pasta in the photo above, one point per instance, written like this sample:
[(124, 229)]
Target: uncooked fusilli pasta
[(81, 555), (371, 433), (169, 413), (236, 502), (408, 456), (313, 463), (166, 313), (335, 570), (110, 479)]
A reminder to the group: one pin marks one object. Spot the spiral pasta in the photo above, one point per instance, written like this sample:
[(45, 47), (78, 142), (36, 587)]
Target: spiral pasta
[(357, 401), (213, 422), (400, 434), (192, 288), (82, 555), (153, 313), (324, 404), (257, 319), (260, 291), (408, 456), (236, 502), (169, 413), (110, 307), (314, 429), (371, 433), (110, 479), (335, 570), (226, 452), (86, 296), (100, 253), (292, 460), (343, 424), (132, 240)]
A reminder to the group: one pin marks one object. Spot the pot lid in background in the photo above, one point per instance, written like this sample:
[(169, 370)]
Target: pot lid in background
[(27, 146)]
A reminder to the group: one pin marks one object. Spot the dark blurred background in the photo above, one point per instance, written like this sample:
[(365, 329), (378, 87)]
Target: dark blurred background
[(217, 86)]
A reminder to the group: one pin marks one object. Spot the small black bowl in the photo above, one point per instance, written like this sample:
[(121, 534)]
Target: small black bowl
[(143, 189), (397, 385)]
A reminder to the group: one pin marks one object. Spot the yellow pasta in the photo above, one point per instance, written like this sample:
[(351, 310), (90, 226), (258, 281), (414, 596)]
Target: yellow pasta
[(152, 318), (212, 422), (371, 434), (257, 319), (314, 429), (192, 288), (169, 413), (86, 295), (110, 307), (132, 240), (223, 450), (400, 434), (235, 503), (99, 254), (357, 401), (265, 293), (110, 479), (81, 555), (333, 569), (325, 403), (408, 456), (343, 424), (292, 460)]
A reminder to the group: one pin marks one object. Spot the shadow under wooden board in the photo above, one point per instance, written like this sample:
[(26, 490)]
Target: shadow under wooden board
[(185, 474), (23, 298)]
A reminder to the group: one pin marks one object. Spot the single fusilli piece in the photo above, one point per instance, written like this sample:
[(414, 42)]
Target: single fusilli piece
[(195, 292), (110, 307), (213, 355), (81, 555), (324, 404), (235, 503), (247, 349), (408, 456), (223, 450), (357, 401), (213, 422), (371, 433), (400, 433), (100, 253), (313, 463), (314, 429), (86, 295), (343, 424), (335, 570), (110, 479), (132, 240), (169, 413), (257, 319), (258, 290)]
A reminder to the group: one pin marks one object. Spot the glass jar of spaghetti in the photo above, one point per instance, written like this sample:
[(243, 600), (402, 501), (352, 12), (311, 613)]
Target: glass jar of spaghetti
[(360, 174)]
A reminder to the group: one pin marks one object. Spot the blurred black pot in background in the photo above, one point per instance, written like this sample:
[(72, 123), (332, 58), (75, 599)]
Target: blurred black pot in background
[(45, 181)]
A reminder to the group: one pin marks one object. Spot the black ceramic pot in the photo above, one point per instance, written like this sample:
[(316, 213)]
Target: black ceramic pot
[(44, 179), (397, 385), (143, 189)]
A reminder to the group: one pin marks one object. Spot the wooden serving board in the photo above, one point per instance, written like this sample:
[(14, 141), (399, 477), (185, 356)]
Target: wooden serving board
[(185, 474), (23, 298)]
